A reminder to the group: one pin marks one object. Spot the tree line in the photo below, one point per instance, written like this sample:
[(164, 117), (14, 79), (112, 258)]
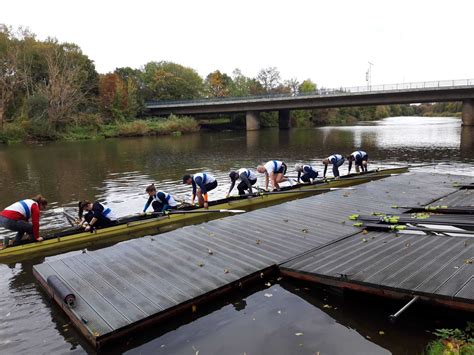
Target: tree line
[(47, 86)]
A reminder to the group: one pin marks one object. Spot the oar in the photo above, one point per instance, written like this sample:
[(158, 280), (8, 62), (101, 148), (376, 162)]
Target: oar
[(440, 209), (195, 211), (398, 228), (69, 218), (302, 191)]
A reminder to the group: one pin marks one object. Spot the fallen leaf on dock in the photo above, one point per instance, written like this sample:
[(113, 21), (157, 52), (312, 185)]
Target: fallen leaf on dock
[(364, 240), (327, 306), (268, 295), (365, 232), (211, 234), (200, 264), (407, 244), (268, 284), (298, 334), (468, 261), (257, 241), (8, 314), (193, 308), (279, 312), (304, 230), (285, 220), (210, 252), (381, 332), (226, 271)]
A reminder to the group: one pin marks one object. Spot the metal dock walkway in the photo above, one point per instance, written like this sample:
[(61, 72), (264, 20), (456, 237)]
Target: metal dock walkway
[(136, 283)]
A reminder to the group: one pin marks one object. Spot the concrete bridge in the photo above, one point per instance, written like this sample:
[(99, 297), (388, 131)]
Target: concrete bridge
[(406, 93)]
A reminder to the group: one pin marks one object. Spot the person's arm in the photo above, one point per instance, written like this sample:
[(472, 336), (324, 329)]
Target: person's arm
[(35, 221), (148, 203), (231, 187), (246, 181), (325, 169), (274, 183), (194, 191), (266, 180), (201, 185), (350, 166), (299, 175)]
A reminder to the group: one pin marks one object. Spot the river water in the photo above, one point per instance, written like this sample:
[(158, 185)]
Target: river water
[(116, 172)]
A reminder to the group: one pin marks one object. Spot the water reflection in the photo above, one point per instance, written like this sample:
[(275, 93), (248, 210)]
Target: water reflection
[(117, 171)]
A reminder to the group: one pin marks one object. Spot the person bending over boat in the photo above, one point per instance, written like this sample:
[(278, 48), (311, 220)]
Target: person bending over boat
[(206, 182), (159, 200), (306, 173), (96, 215), (274, 171), (17, 216), (360, 159), (336, 160), (247, 178)]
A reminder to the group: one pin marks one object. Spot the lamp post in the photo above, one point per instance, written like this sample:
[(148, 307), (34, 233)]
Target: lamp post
[(368, 76)]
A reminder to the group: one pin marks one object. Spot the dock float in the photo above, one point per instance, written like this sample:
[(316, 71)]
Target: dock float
[(129, 286)]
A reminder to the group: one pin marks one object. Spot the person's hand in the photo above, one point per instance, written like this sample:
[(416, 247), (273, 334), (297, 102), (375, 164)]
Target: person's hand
[(87, 228), (206, 205), (40, 239), (227, 196), (142, 213)]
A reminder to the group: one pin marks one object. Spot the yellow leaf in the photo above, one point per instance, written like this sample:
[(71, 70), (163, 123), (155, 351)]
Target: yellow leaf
[(193, 308), (381, 332)]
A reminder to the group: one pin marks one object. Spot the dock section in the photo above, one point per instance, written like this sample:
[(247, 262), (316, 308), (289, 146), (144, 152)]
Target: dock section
[(136, 283)]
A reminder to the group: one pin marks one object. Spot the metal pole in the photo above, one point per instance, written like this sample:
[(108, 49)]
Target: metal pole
[(393, 317)]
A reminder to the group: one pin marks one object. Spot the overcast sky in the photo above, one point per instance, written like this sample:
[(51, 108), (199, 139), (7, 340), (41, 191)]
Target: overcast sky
[(328, 41)]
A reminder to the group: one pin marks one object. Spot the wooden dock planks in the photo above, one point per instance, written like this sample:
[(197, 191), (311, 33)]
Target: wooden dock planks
[(134, 282)]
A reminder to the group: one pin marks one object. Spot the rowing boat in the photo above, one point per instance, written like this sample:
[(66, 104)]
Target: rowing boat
[(139, 225)]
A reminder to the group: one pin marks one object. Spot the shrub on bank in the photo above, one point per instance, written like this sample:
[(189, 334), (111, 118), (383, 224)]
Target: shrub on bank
[(453, 341)]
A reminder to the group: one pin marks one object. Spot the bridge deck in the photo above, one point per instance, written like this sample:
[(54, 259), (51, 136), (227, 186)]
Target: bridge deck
[(136, 283)]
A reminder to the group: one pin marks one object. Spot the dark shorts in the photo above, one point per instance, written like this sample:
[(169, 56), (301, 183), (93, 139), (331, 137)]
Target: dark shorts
[(282, 169), (211, 186), (311, 175), (364, 158)]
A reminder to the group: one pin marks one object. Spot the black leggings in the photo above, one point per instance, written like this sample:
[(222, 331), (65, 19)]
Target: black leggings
[(243, 186), (211, 186)]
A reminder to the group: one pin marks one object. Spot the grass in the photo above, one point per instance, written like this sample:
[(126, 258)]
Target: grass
[(173, 125), (452, 341)]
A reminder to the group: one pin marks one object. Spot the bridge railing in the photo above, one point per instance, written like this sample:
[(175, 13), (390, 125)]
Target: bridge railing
[(327, 92)]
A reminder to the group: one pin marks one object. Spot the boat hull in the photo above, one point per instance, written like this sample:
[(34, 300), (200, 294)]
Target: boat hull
[(161, 224)]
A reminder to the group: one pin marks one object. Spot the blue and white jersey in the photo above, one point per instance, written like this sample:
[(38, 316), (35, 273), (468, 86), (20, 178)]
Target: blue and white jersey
[(249, 173), (206, 178), (164, 198), (359, 155), (335, 158), (308, 169), (273, 166)]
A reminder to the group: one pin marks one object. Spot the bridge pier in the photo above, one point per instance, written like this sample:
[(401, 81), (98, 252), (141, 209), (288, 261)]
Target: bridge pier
[(468, 112), (252, 120), (284, 119)]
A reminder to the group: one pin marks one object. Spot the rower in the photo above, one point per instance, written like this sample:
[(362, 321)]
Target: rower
[(247, 178), (16, 217), (306, 172), (206, 182), (159, 200), (275, 171), (360, 159), (336, 160), (97, 216)]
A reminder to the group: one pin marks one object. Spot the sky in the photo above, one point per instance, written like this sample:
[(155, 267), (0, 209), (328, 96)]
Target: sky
[(330, 42)]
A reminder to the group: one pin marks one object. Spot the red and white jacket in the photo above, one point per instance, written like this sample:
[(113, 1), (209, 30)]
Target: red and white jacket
[(24, 210)]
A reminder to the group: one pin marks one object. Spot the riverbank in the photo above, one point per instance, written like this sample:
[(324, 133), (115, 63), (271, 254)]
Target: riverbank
[(28, 132)]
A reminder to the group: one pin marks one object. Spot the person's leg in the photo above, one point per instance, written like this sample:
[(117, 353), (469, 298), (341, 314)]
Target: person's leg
[(357, 168), (305, 177), (157, 206), (242, 187), (335, 167), (200, 198), (21, 227), (211, 186)]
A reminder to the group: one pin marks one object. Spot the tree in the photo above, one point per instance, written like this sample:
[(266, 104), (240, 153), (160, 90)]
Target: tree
[(171, 81), (293, 85), (10, 80), (269, 79), (307, 86), (218, 84), (71, 78)]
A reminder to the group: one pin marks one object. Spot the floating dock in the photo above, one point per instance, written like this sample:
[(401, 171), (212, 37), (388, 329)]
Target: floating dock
[(141, 282)]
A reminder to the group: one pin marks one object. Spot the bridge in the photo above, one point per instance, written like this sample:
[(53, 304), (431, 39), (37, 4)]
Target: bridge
[(406, 93)]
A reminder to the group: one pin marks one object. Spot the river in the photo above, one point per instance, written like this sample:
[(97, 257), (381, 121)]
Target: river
[(116, 172)]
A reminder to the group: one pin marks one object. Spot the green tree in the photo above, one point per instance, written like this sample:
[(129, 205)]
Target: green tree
[(269, 78), (171, 81), (218, 84), (307, 86)]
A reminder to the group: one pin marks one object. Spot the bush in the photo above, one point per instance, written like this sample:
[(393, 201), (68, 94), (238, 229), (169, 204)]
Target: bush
[(453, 341), (133, 129), (12, 133)]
